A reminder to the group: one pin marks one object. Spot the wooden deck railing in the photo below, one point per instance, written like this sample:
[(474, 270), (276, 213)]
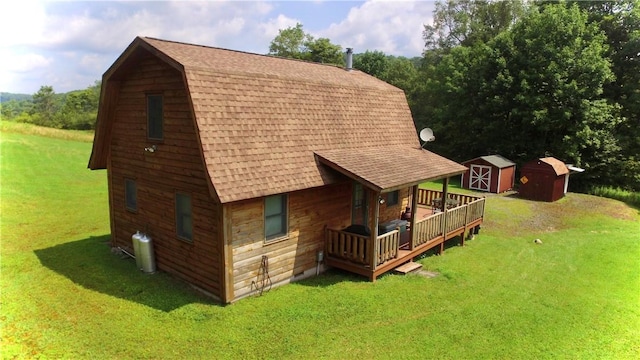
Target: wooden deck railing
[(348, 246), (355, 248), (427, 229), (426, 197), (368, 256), (387, 246), (475, 210)]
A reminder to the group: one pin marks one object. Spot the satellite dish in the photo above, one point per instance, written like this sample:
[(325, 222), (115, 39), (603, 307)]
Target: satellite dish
[(426, 135)]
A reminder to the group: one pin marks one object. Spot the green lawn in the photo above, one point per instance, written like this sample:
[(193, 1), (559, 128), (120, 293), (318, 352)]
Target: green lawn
[(65, 295)]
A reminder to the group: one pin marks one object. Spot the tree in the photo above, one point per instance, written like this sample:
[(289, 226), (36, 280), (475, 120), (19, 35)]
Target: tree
[(44, 106), (294, 43), (536, 89), (80, 109), (374, 63), (620, 22), (466, 22), (323, 51), (290, 43)]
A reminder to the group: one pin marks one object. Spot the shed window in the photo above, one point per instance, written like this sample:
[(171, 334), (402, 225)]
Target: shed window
[(130, 195), (154, 117), (275, 217), (392, 198), (184, 217)]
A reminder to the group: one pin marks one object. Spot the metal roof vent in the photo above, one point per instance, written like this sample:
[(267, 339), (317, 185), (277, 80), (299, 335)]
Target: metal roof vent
[(349, 59)]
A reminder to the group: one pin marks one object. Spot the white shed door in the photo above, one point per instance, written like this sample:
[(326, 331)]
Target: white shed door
[(480, 177)]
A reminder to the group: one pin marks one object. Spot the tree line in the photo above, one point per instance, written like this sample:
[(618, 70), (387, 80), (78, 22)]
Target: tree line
[(523, 80), (75, 110), (517, 78)]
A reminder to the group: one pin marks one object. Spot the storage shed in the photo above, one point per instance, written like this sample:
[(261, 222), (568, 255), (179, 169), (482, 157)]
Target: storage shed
[(544, 179), (492, 173)]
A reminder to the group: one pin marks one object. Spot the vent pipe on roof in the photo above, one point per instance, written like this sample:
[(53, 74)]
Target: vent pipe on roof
[(349, 59)]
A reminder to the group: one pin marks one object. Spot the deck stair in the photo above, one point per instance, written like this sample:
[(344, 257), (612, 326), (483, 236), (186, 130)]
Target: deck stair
[(408, 267)]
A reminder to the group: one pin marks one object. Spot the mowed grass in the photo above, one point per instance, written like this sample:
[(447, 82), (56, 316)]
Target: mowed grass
[(65, 295)]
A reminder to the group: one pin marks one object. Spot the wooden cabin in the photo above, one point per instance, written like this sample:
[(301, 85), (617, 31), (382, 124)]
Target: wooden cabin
[(248, 170), (492, 173), (544, 179)]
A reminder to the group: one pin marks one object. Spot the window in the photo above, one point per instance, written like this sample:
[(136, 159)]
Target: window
[(154, 117), (275, 216), (130, 195), (392, 198), (184, 218)]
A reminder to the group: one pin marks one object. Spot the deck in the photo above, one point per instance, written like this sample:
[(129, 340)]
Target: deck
[(371, 257)]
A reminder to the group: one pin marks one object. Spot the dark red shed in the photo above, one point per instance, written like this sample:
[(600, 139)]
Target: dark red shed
[(491, 173), (544, 179)]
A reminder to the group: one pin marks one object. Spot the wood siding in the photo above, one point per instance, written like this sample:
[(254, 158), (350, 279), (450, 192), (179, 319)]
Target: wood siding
[(394, 211), (176, 166), (542, 184), (507, 179), (309, 212), (502, 179)]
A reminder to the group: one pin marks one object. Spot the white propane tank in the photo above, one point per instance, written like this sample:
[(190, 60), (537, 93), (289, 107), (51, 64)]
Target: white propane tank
[(135, 238), (146, 255)]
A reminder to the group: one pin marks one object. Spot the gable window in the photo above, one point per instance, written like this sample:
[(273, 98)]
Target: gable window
[(275, 216), (154, 117), (392, 198), (130, 195), (184, 217)]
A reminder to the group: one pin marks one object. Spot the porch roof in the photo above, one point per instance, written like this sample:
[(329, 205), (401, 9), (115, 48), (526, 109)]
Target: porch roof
[(388, 168)]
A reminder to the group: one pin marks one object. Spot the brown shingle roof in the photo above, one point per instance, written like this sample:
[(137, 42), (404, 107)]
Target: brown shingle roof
[(261, 118), (387, 168), (558, 166)]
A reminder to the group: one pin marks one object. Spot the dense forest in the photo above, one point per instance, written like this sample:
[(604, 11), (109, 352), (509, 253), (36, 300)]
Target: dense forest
[(517, 78)]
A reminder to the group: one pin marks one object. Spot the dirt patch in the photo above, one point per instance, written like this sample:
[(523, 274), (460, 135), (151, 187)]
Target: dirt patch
[(539, 217)]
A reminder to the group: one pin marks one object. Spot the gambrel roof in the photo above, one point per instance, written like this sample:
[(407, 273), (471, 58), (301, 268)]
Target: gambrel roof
[(269, 125), (558, 166)]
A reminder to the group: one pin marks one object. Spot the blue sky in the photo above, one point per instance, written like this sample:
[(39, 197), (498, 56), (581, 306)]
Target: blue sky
[(70, 44)]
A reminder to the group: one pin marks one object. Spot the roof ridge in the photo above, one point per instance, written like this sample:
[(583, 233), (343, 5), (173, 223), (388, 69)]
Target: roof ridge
[(243, 52), (247, 74)]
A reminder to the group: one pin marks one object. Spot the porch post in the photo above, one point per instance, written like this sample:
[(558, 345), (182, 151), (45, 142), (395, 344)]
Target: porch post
[(374, 232), (414, 213), (445, 193)]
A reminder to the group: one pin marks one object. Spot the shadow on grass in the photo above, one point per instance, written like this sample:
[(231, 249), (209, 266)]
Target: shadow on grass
[(332, 276), (335, 276), (90, 264)]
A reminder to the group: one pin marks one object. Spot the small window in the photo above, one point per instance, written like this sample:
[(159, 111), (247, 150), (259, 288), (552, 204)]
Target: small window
[(392, 198), (130, 195), (154, 117), (184, 217), (275, 216)]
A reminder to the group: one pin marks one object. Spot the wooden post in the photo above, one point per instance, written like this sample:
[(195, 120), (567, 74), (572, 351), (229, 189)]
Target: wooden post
[(445, 193), (374, 231), (414, 213)]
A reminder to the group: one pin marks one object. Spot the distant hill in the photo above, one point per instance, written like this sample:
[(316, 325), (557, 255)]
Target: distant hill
[(5, 96)]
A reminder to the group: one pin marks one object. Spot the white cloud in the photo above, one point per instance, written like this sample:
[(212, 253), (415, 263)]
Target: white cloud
[(21, 23), (394, 28), (271, 28), (70, 44)]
